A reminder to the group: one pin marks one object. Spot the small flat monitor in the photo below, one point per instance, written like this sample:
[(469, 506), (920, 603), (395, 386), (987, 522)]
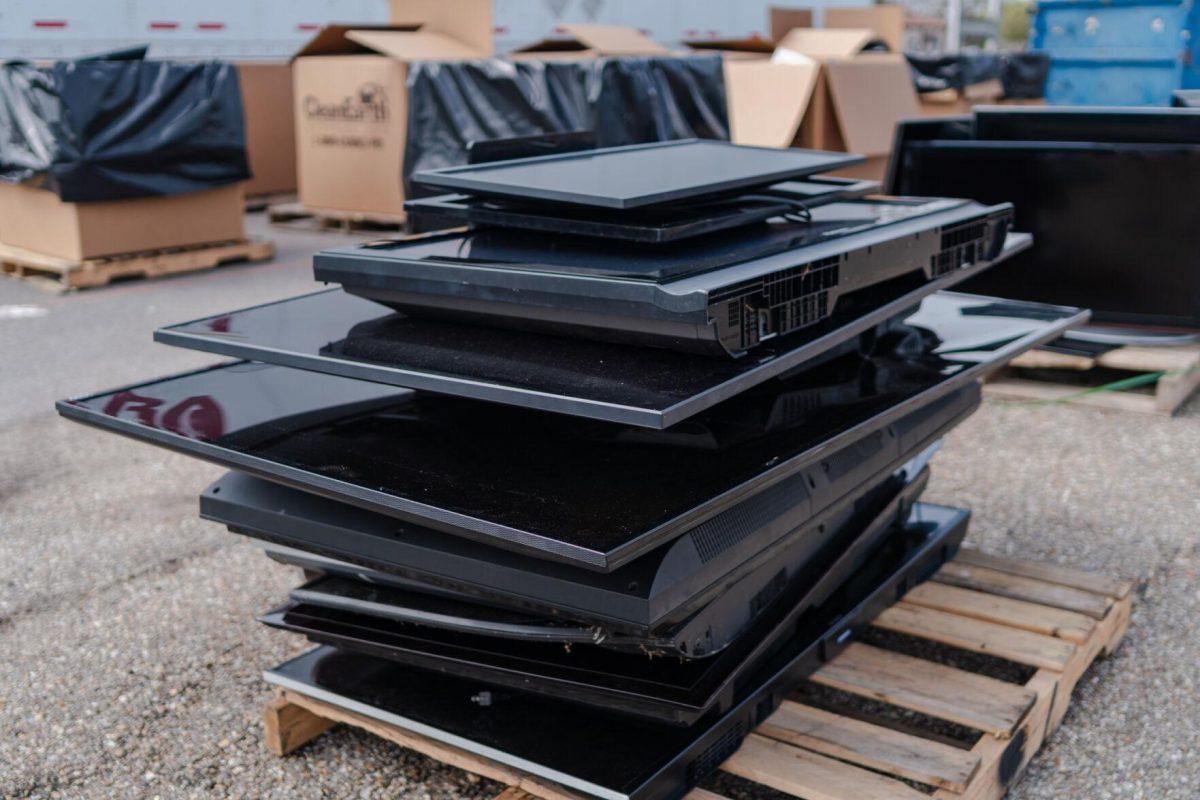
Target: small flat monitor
[(636, 175)]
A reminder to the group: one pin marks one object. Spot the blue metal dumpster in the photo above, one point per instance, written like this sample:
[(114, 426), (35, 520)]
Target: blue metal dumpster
[(1116, 52)]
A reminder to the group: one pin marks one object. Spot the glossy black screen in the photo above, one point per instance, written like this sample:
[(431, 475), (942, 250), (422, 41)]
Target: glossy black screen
[(1113, 225), (595, 485), (541, 480)]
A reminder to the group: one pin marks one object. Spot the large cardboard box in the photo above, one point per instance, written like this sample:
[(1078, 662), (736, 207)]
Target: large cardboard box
[(36, 219), (351, 99), (819, 90), (592, 41), (270, 126)]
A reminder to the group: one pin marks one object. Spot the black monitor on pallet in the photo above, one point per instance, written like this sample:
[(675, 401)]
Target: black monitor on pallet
[(1108, 195), (643, 760)]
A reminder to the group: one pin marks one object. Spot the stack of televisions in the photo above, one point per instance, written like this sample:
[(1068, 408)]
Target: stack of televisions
[(589, 483)]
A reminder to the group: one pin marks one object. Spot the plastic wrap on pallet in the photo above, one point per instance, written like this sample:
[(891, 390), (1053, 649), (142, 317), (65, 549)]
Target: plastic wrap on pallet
[(623, 100), (1023, 75), (118, 127)]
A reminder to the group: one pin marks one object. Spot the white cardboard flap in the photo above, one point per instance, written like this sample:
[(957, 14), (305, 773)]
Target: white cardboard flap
[(615, 40), (822, 43)]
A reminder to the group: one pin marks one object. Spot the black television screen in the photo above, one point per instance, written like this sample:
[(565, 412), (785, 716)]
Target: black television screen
[(1114, 225), (1132, 125)]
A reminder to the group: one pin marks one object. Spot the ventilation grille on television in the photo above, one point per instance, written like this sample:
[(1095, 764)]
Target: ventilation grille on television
[(961, 245), (715, 755), (723, 531), (778, 303)]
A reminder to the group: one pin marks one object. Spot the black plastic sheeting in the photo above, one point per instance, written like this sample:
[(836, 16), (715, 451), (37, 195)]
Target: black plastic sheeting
[(623, 101), (117, 126), (1023, 75)]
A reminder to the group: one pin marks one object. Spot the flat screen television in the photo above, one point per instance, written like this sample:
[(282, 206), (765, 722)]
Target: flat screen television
[(1114, 224)]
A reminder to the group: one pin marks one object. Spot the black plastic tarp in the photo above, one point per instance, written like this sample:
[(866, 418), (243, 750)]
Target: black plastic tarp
[(623, 100), (114, 128), (1023, 75)]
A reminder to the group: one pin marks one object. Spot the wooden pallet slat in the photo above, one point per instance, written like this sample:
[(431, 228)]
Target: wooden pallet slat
[(1019, 587), (1021, 614), (872, 746), (976, 635), (1003, 760), (1050, 573), (1180, 365), (810, 775), (1133, 358), (975, 701), (446, 754), (703, 794)]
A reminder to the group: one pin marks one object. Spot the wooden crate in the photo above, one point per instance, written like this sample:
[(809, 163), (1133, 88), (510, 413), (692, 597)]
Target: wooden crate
[(1179, 365), (62, 274), (298, 215), (1052, 620)]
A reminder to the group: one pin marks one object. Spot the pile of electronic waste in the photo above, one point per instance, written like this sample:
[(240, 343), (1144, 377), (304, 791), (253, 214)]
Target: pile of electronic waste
[(588, 483)]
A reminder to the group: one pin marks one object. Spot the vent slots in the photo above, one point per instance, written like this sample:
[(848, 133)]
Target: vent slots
[(715, 755), (776, 304), (961, 246)]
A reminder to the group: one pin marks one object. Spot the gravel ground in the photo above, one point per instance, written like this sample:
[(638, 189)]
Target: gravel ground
[(130, 661)]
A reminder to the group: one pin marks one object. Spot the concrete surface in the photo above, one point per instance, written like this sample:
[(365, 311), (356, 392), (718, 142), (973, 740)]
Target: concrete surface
[(130, 660)]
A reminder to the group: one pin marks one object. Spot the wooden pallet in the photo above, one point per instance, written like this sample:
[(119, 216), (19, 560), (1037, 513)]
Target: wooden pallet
[(260, 202), (1046, 377), (64, 274), (1051, 620), (295, 215)]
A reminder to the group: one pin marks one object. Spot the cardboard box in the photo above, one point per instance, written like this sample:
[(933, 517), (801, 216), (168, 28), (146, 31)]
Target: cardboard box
[(819, 90), (36, 219), (270, 126), (351, 99), (592, 41)]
